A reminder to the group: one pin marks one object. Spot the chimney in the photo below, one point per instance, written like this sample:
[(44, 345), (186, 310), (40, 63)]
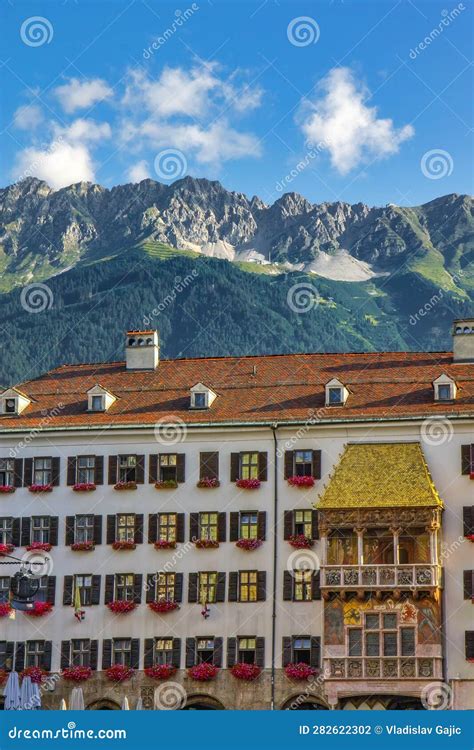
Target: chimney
[(142, 350), (463, 340)]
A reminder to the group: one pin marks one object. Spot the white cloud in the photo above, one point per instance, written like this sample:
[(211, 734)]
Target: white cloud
[(84, 130), (138, 171), (60, 165), (78, 94), (352, 131), (28, 117)]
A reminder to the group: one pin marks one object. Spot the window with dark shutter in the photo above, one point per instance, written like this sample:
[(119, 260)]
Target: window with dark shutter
[(315, 525), (18, 472), (137, 588), (25, 531), (190, 652), (193, 588), (467, 459), (260, 652), (468, 520), (55, 470), (220, 588), (148, 655), (221, 527), (287, 586), (71, 471), (289, 464), (261, 525), (286, 651), (51, 590), (316, 585), (180, 467), (111, 521), (99, 470), (16, 532), (231, 652), (47, 655), (193, 526), (153, 468), (178, 587), (69, 530), (97, 529), (234, 467), (28, 472), (109, 588), (94, 650), (65, 654), (233, 526), (67, 592), (112, 477), (469, 644), (140, 469), (152, 528), (106, 653), (53, 530), (468, 580), (315, 658), (261, 585), (262, 466), (233, 586), (95, 589), (176, 656), (218, 650), (209, 465), (138, 528), (287, 524), (135, 653), (180, 528)]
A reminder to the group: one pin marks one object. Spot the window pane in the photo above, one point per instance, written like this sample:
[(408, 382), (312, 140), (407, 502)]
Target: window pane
[(355, 642), (408, 641), (390, 621), (372, 644), (371, 622), (390, 644)]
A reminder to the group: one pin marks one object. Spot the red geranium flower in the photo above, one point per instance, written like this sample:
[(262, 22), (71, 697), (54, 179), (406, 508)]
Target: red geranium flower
[(123, 544), (36, 674), (166, 484), (208, 483), (161, 607), (300, 541), (160, 671), (125, 486), (6, 549), (84, 487), (119, 673), (40, 488), (164, 544), (121, 607), (248, 484), (249, 544), (206, 543), (43, 546), (82, 546), (77, 674), (203, 672), (5, 609), (6, 488), (39, 609), (301, 482), (300, 671), (247, 672)]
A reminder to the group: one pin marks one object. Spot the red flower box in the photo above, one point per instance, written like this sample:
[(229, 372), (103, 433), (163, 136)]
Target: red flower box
[(249, 544), (121, 608), (7, 488), (36, 674), (3, 676), (161, 607), (167, 484), (43, 546), (471, 475), (163, 544), (84, 487), (470, 537), (82, 546), (203, 672), (6, 549), (208, 483), (247, 672), (300, 541), (39, 609), (125, 486), (40, 488), (160, 671), (301, 482), (206, 544), (119, 673), (77, 674), (248, 484), (123, 544), (300, 671), (5, 609), (471, 659)]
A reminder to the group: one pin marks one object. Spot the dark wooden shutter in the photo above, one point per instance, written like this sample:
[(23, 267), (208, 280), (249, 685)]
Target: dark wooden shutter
[(261, 585), (65, 654), (469, 644), (317, 464), (233, 526), (231, 652), (67, 591), (262, 466), (220, 587), (46, 657), (314, 525), (180, 527), (69, 539), (97, 529), (153, 468), (112, 470), (193, 588), (178, 587), (180, 467), (20, 657), (176, 655), (316, 585), (289, 464), (148, 655), (287, 524), (209, 465), (51, 590), (138, 536), (9, 655), (93, 654), (466, 456), (135, 653), (193, 526), (152, 528), (233, 586), (16, 532), (315, 653), (137, 588), (218, 648), (95, 589), (221, 527), (53, 530), (106, 653), (109, 588), (261, 525), (18, 472), (55, 470), (287, 586), (468, 520), (468, 580), (190, 652), (25, 531), (286, 651), (140, 470), (260, 652), (98, 470), (234, 466), (110, 528), (150, 588), (28, 472), (71, 471)]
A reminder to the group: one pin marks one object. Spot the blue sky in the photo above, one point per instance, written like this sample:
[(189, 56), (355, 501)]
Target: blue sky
[(352, 101)]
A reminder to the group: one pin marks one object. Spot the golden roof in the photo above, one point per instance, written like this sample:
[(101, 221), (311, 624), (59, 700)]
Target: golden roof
[(380, 476)]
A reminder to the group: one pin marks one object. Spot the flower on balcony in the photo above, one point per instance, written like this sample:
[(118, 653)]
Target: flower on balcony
[(160, 671), (470, 537), (471, 659), (164, 544), (7, 488), (3, 676), (247, 672), (208, 483), (249, 544), (77, 674), (166, 484), (43, 546), (471, 475), (5, 609), (206, 543), (6, 549), (301, 482), (40, 488), (39, 609), (36, 674), (84, 487), (299, 671), (119, 673), (120, 607), (248, 484), (82, 546), (203, 672), (125, 486), (300, 541), (163, 606), (124, 544)]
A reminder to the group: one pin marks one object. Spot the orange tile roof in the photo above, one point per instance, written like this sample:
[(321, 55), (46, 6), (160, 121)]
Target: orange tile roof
[(285, 388)]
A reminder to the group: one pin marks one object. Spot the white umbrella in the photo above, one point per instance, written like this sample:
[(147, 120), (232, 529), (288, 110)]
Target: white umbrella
[(76, 702), (36, 697), (125, 704), (139, 706), (63, 705), (12, 692), (26, 694)]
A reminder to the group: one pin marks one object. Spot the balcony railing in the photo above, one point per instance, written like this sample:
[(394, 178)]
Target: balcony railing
[(417, 576), (382, 668)]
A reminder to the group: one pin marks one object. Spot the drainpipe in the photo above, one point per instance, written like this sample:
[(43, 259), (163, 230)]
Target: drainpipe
[(275, 560)]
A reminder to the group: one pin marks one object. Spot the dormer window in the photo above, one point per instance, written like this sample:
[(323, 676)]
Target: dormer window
[(445, 393), (444, 388), (13, 402), (11, 406), (199, 400), (97, 403), (201, 396), (99, 399), (336, 393)]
